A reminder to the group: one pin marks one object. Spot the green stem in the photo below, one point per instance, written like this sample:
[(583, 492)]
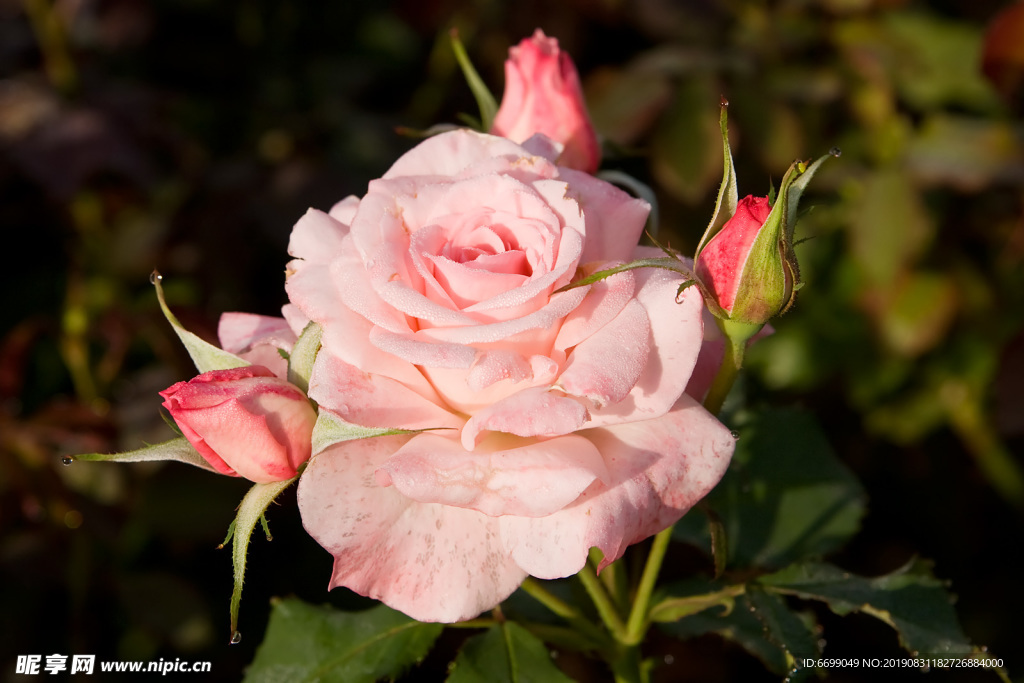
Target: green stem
[(603, 603), (534, 589), (636, 628), (732, 361)]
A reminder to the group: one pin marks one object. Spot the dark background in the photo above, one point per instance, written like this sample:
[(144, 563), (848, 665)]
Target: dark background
[(190, 136)]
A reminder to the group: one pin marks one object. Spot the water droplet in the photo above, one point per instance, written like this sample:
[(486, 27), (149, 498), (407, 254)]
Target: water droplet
[(735, 434), (67, 459), (236, 638), (722, 101), (836, 152), (669, 659), (155, 277)]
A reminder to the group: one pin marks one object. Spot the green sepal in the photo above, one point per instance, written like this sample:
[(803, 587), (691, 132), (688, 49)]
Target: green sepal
[(178, 449), (250, 511), (484, 99), (300, 362), (331, 429), (666, 263), (205, 355), (728, 192)]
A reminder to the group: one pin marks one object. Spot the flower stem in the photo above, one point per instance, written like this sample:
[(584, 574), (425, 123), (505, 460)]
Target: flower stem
[(636, 628), (603, 602), (538, 592), (732, 361)]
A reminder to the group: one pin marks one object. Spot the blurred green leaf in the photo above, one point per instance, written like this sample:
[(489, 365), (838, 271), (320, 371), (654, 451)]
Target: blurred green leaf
[(505, 653), (309, 643), (685, 153), (966, 153), (917, 312), (910, 599), (785, 497)]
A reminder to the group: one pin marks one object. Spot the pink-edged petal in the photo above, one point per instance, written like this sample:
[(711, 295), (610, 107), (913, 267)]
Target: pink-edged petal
[(348, 277), (418, 350), (373, 400), (448, 153), (491, 367), (676, 335), (604, 301), (345, 210), (432, 562), (545, 319), (535, 411), (615, 220), (317, 237), (606, 366), (507, 477), (239, 332), (658, 469), (543, 146)]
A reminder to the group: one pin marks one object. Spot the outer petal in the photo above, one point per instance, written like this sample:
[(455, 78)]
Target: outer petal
[(615, 220), (317, 237), (657, 470), (535, 411), (676, 333), (433, 562), (373, 400), (506, 477), (448, 153)]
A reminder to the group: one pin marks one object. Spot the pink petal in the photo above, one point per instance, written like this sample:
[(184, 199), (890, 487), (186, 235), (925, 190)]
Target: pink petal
[(535, 411), (506, 477), (615, 220), (606, 366), (373, 400), (317, 237), (604, 301), (676, 334), (658, 469), (448, 153), (433, 562), (241, 331), (345, 210)]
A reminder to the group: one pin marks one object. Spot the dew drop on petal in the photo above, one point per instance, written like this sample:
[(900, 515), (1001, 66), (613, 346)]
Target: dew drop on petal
[(67, 459), (236, 638)]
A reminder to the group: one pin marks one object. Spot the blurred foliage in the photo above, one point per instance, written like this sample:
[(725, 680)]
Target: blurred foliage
[(190, 136)]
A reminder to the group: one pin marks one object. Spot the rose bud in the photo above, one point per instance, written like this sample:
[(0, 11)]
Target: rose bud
[(543, 95), (748, 269), (245, 422)]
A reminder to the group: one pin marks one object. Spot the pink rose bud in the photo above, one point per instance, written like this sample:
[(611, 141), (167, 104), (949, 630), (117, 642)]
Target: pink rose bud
[(543, 95), (245, 421), (747, 269)]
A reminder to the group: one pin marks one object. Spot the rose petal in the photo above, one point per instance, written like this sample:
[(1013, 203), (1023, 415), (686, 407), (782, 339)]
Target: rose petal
[(316, 237), (433, 562), (606, 366), (506, 477), (615, 220), (373, 400), (657, 470), (535, 411), (448, 153)]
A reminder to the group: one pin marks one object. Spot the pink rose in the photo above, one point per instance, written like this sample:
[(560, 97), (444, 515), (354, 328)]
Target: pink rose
[(567, 423), (746, 267), (543, 95), (245, 422)]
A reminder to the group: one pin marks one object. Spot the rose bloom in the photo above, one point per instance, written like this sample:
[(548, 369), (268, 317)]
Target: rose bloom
[(543, 95), (566, 423), (244, 421)]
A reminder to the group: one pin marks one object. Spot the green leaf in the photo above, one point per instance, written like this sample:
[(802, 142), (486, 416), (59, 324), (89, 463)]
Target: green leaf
[(306, 643), (250, 511), (739, 624), (178, 449), (300, 362), (785, 497), (910, 599), (205, 355), (506, 653), (666, 263), (331, 429), (685, 158), (674, 608), (787, 630), (484, 99)]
